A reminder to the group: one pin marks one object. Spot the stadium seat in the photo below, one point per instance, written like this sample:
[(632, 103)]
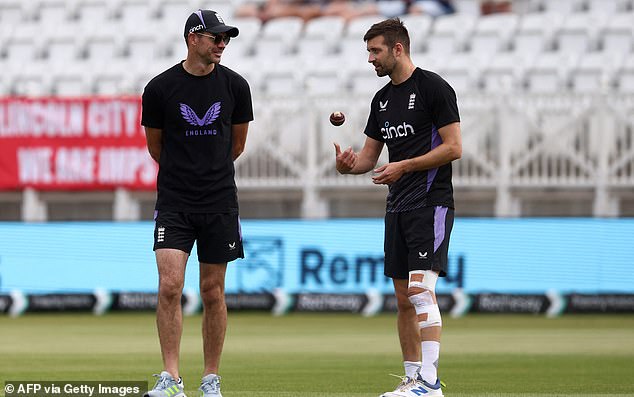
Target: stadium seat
[(357, 27), (353, 47), (445, 38), (563, 7), (418, 27), (324, 77), (502, 73), (281, 76), (21, 49), (11, 12), (320, 37), (143, 47), (249, 27), (69, 85), (625, 75), (242, 46), (594, 72), (351, 42), (111, 79), (53, 12), (136, 82), (173, 14), (6, 34), (467, 7), (535, 33), (578, 33), (428, 63), (315, 47), (249, 67), (278, 36), (93, 13), (323, 84), (173, 46), (612, 7), (70, 29), (461, 71), (392, 8), (363, 79), (617, 34), (100, 46), (32, 80), (493, 33), (289, 137), (223, 7), (277, 84), (135, 13), (61, 49), (6, 77), (548, 73)]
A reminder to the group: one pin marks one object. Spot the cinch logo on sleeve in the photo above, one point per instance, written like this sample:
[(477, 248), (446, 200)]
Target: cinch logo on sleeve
[(190, 116), (401, 130)]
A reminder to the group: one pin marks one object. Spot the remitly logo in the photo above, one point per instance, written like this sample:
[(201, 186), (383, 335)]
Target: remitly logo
[(401, 130), (190, 116)]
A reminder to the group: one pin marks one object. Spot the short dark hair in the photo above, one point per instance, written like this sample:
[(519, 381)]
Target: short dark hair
[(392, 30)]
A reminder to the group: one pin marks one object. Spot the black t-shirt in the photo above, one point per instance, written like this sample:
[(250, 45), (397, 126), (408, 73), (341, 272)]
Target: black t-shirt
[(406, 117), (195, 113)]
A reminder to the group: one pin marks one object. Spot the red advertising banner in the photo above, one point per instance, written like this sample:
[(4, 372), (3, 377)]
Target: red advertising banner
[(74, 144)]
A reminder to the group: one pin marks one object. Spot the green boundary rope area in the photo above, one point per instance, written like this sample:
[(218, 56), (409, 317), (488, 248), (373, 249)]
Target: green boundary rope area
[(339, 355)]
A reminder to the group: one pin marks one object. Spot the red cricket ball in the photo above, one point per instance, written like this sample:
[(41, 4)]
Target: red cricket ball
[(337, 118)]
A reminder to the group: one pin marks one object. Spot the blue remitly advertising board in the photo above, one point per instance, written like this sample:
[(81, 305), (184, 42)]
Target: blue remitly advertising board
[(329, 256)]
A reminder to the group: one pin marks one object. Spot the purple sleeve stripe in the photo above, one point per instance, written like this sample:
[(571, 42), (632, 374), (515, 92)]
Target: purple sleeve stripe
[(436, 140)]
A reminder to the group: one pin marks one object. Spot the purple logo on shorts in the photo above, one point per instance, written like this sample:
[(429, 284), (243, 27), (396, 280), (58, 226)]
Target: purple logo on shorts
[(192, 118)]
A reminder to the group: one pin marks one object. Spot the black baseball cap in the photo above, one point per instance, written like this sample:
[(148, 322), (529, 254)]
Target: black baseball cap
[(208, 21)]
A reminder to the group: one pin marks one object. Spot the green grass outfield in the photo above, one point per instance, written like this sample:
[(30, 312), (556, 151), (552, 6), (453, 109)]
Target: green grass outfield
[(339, 355)]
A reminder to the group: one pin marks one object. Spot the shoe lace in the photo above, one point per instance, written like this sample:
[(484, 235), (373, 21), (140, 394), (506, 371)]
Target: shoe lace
[(211, 386), (162, 383), (405, 380)]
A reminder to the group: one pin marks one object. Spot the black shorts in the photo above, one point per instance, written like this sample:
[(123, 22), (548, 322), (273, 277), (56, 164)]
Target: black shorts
[(218, 236), (417, 240)]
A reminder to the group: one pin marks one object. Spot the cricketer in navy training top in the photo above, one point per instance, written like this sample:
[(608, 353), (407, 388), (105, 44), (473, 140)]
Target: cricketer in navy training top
[(416, 116)]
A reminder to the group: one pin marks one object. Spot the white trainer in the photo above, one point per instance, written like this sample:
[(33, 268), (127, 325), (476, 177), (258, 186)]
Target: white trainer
[(210, 386), (416, 388), (406, 381), (167, 386)]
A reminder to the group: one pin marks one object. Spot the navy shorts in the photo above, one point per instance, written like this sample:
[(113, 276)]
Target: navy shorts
[(417, 240), (218, 236)]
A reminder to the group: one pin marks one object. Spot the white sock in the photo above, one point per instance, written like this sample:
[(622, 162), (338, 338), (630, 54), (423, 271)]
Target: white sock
[(429, 368), (411, 368)]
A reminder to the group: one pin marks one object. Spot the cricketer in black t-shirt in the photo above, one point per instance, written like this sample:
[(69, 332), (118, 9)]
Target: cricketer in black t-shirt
[(196, 116), (416, 116), (195, 113)]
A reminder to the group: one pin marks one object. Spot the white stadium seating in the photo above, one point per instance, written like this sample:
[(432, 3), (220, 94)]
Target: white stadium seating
[(550, 75)]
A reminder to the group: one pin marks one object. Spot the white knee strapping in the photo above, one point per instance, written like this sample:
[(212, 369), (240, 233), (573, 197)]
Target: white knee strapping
[(420, 291)]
